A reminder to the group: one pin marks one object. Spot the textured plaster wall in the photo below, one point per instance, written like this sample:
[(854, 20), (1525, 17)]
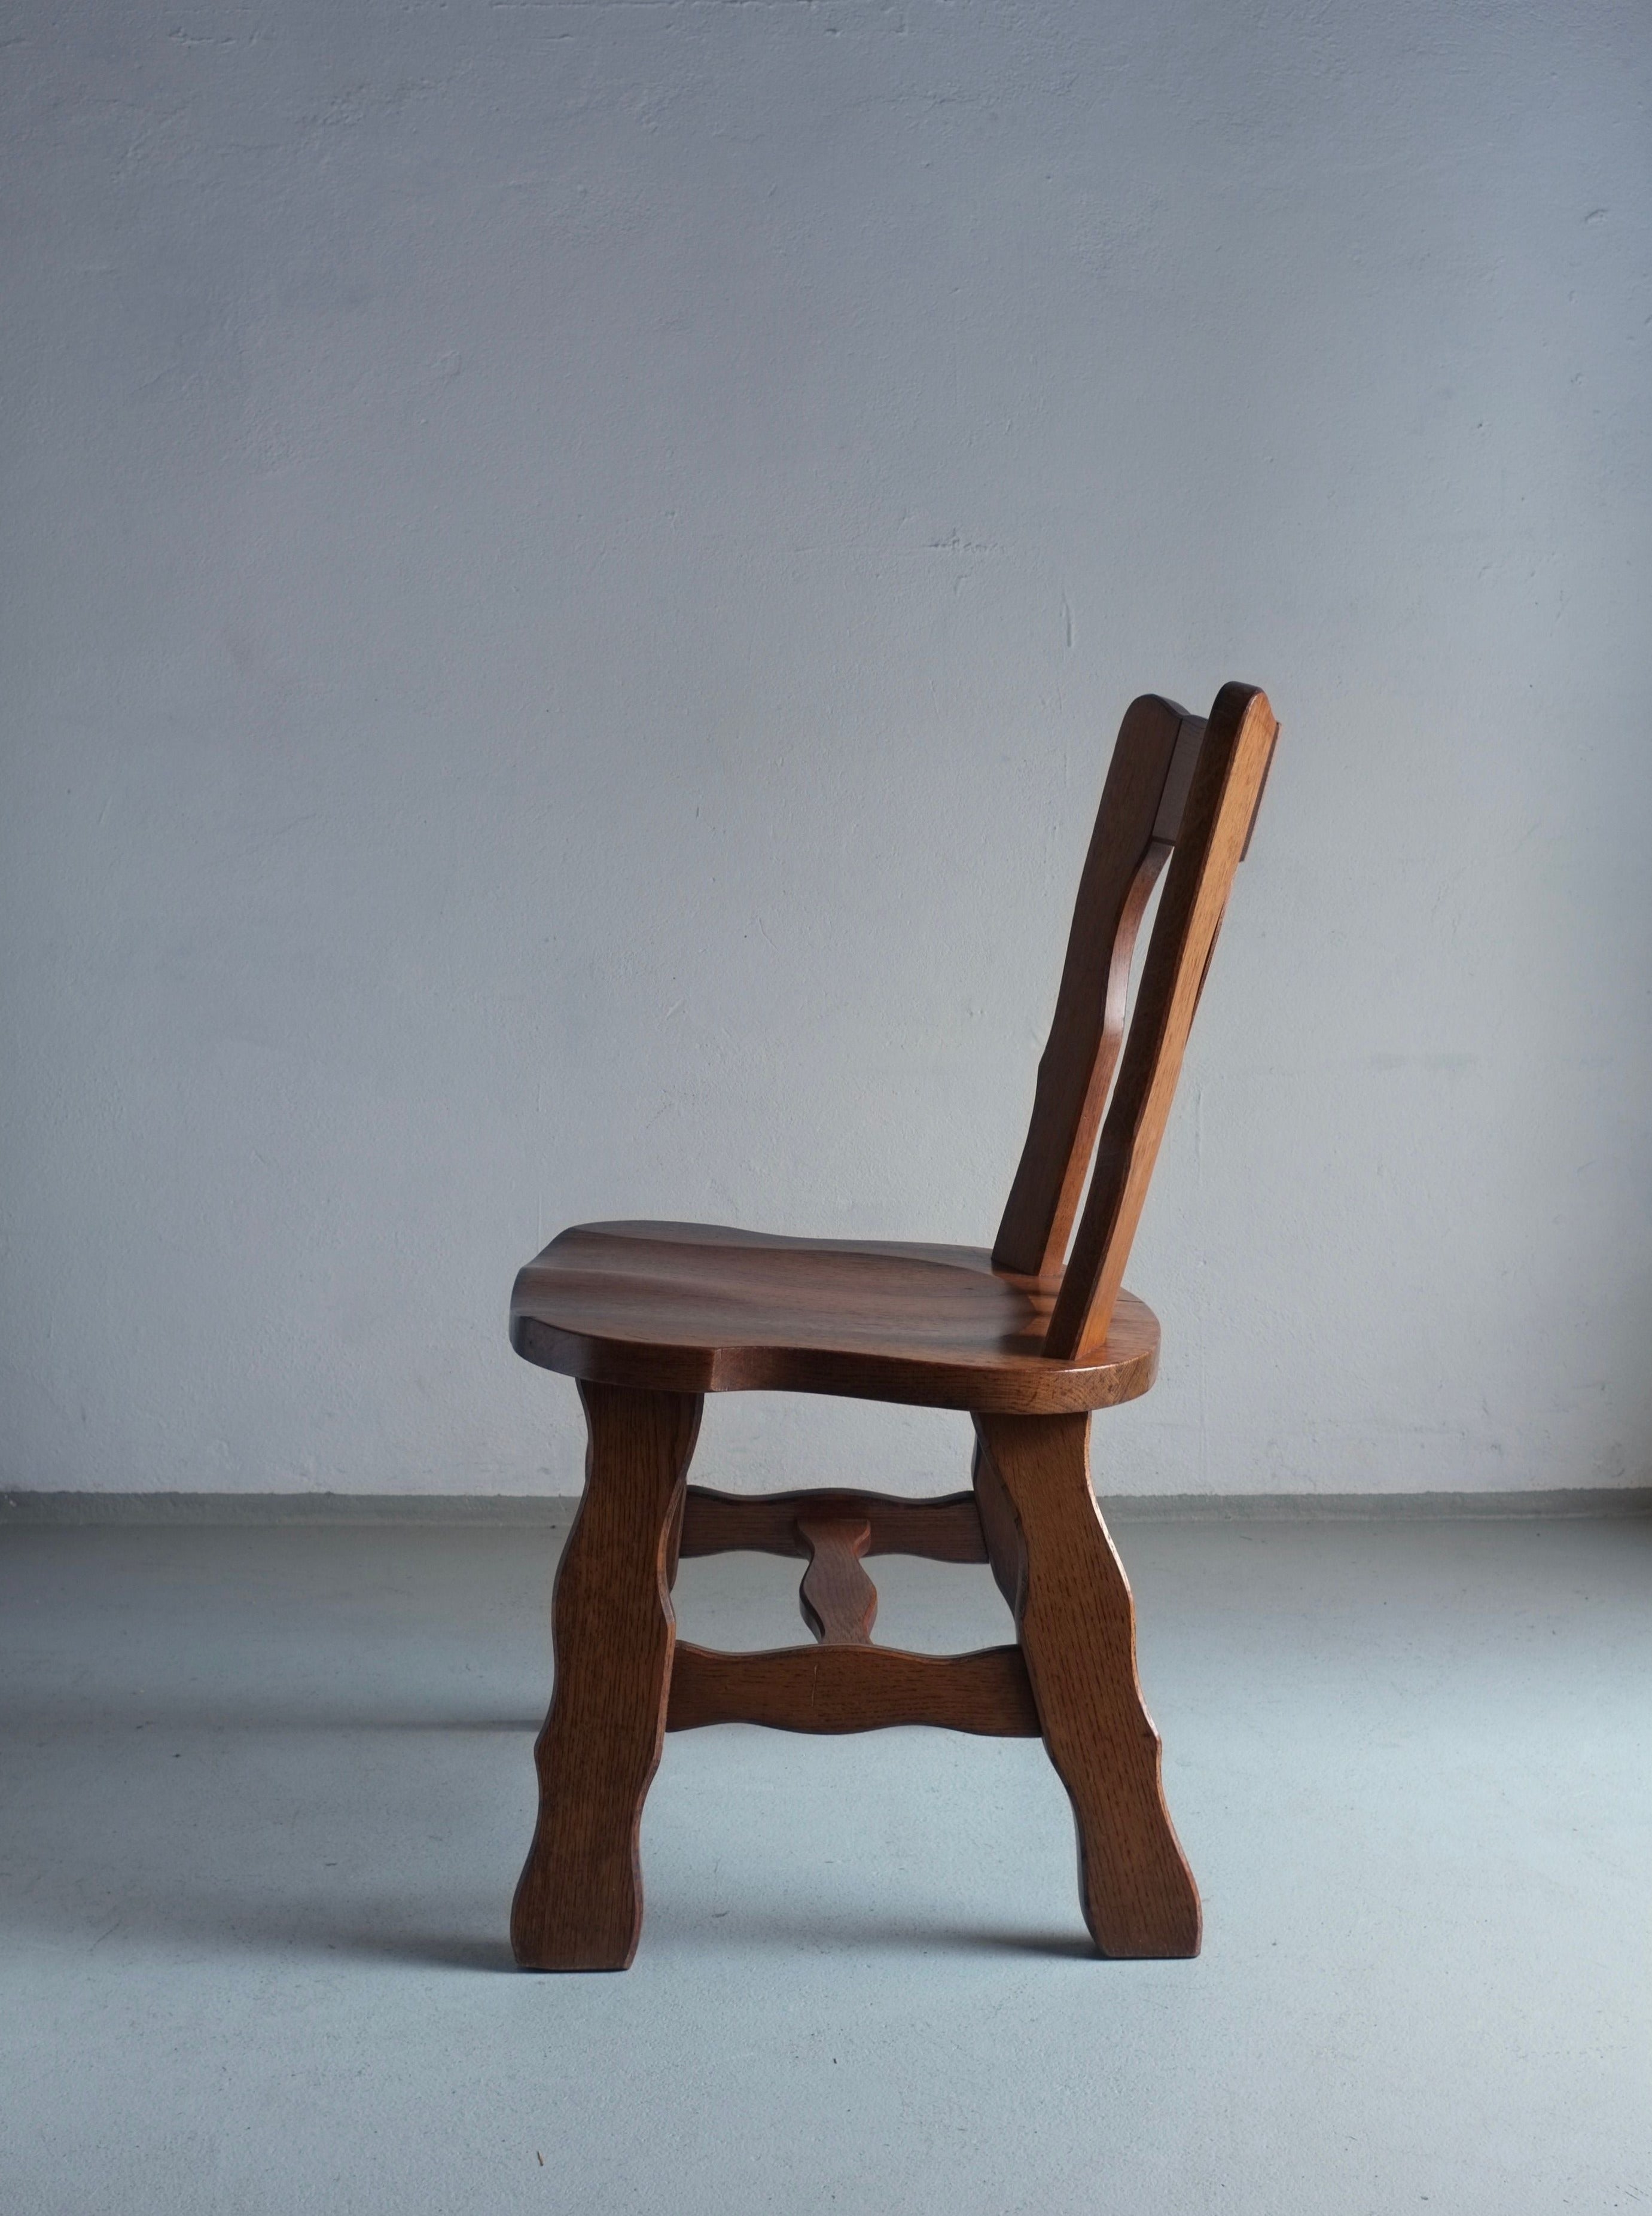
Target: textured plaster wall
[(569, 573)]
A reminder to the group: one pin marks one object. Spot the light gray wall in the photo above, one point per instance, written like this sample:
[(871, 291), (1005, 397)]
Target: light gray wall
[(569, 574)]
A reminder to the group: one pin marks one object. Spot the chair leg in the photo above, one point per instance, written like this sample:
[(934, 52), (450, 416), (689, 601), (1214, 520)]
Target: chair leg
[(1051, 1552), (579, 1902)]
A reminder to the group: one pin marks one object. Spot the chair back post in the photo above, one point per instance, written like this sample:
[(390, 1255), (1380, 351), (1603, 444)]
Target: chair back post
[(1224, 786), (1141, 806), (1209, 845)]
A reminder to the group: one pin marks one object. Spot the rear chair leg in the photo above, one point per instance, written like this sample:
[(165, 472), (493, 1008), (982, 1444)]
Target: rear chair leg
[(1056, 1565), (579, 1902)]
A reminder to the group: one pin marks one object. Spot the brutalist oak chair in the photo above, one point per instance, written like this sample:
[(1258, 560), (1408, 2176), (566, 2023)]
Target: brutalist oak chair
[(650, 1317)]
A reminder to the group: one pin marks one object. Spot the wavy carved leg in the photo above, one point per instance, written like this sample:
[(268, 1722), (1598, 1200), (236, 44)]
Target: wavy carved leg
[(1055, 1563), (579, 1902)]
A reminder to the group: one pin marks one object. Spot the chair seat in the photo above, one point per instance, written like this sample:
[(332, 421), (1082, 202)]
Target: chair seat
[(691, 1308)]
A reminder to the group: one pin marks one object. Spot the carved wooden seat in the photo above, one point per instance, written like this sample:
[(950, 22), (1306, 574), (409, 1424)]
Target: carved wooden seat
[(690, 1308), (1028, 1340)]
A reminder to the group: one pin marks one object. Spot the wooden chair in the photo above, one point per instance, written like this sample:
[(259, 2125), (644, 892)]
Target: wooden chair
[(649, 1317)]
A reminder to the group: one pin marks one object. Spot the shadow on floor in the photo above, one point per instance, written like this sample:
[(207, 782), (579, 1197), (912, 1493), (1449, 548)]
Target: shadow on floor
[(314, 1928)]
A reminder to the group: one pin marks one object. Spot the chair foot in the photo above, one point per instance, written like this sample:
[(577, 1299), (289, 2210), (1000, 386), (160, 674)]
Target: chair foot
[(1053, 1557), (579, 1902)]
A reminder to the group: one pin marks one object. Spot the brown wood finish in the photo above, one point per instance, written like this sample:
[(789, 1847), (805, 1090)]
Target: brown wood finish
[(690, 1308), (650, 1316), (999, 1529), (838, 1599), (1141, 807), (1214, 831), (579, 1901), (1077, 1627), (853, 1689), (947, 1529)]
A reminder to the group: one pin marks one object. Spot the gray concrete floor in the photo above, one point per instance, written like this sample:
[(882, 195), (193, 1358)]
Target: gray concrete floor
[(266, 1791)]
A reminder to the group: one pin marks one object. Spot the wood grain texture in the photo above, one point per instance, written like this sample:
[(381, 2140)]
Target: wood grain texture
[(685, 1307), (999, 1530), (1221, 806), (1077, 1627), (944, 1529), (579, 1902), (838, 1600), (1141, 809), (853, 1689), (649, 1317)]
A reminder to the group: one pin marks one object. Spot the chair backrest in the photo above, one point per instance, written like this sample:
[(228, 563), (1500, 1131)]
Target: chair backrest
[(1184, 789)]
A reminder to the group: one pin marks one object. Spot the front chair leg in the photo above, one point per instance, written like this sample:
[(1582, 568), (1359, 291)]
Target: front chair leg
[(579, 1903), (1053, 1558)]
